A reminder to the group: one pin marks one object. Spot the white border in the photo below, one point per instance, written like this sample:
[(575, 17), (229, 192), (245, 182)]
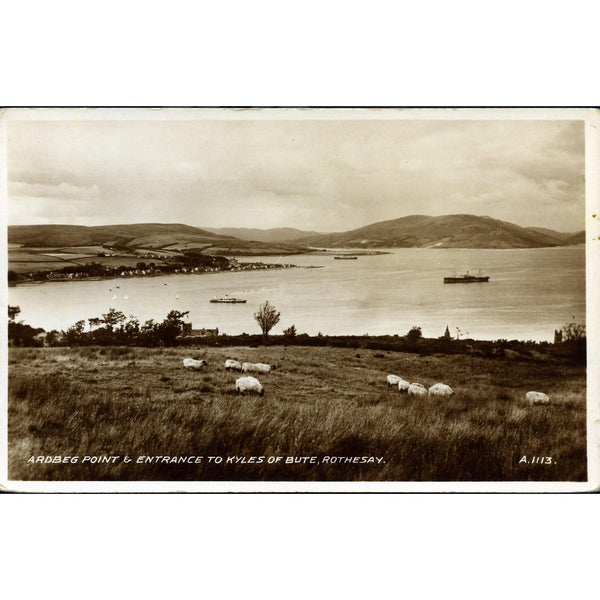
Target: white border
[(3, 302), (592, 135), (302, 113)]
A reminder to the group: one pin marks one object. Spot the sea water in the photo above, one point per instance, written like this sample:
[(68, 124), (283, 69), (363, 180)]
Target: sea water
[(531, 293)]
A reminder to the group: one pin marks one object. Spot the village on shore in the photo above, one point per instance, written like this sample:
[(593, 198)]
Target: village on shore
[(96, 271)]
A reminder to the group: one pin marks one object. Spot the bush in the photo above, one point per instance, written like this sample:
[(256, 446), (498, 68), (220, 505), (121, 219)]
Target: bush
[(290, 332)]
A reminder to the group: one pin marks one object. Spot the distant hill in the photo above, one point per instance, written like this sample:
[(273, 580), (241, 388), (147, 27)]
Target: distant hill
[(171, 236), (448, 231), (80, 235), (420, 231), (576, 238), (274, 235), (558, 235)]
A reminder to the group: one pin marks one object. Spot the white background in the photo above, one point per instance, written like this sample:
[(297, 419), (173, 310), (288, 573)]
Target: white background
[(298, 54)]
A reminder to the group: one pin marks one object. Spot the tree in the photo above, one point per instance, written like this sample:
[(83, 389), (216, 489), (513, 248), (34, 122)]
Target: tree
[(290, 331), (573, 331), (414, 334), (267, 317), (112, 318), (13, 311), (148, 333), (573, 342), (95, 322), (19, 333), (171, 327), (53, 338), (74, 334)]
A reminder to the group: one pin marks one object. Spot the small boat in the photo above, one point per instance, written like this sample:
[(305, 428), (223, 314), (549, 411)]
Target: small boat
[(345, 257), (467, 278), (229, 300), (125, 297), (114, 297)]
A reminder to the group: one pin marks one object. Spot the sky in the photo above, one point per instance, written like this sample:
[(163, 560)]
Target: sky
[(318, 175)]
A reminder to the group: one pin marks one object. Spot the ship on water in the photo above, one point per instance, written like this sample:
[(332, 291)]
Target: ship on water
[(345, 257), (226, 299), (467, 278)]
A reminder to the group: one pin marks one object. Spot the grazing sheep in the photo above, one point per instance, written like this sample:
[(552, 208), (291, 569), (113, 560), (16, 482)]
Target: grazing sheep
[(393, 380), (256, 368), (248, 384), (233, 365), (403, 385), (537, 398), (416, 389), (195, 365), (440, 389)]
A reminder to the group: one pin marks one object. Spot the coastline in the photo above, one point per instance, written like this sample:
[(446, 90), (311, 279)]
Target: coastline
[(253, 267)]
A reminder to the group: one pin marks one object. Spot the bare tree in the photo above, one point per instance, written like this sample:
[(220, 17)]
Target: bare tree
[(267, 317), (573, 331)]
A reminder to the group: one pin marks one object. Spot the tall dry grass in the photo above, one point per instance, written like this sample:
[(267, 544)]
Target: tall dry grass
[(319, 402)]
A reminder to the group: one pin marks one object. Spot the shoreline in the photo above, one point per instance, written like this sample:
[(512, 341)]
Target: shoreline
[(263, 267)]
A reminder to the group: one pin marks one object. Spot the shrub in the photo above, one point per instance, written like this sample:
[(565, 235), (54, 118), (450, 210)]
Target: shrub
[(414, 334)]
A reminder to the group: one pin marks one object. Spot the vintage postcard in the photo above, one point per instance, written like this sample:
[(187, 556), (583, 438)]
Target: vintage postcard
[(295, 299)]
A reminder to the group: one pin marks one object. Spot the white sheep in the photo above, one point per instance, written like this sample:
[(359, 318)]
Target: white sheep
[(248, 367), (393, 380), (403, 385), (537, 398), (440, 389), (248, 384), (416, 389), (195, 365), (233, 365)]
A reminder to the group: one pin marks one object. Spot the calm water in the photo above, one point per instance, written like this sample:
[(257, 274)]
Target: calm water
[(531, 292)]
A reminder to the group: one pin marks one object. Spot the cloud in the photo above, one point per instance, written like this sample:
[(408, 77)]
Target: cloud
[(53, 191), (319, 175), (65, 203)]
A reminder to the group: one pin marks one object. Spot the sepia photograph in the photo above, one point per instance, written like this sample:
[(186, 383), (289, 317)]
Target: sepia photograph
[(297, 299)]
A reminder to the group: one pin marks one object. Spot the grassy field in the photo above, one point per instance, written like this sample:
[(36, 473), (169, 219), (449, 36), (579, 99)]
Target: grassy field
[(24, 260), (320, 402)]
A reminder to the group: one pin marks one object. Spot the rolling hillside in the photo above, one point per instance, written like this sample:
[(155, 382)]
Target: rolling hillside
[(576, 238), (558, 235), (154, 236), (275, 235), (448, 231), (79, 235), (421, 231)]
